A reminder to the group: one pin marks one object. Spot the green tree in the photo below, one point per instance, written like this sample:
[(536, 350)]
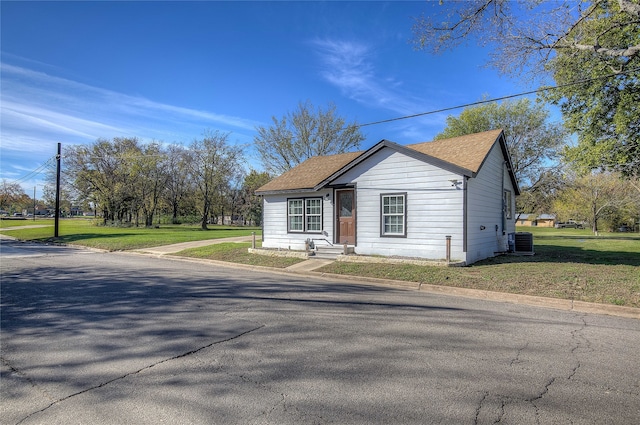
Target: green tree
[(149, 175), (178, 186), (572, 41), (603, 112), (594, 197), (304, 133), (102, 172), (11, 195), (212, 164), (532, 141), (252, 203), (539, 198)]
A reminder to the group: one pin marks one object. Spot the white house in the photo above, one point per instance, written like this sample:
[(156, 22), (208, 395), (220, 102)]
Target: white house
[(395, 200)]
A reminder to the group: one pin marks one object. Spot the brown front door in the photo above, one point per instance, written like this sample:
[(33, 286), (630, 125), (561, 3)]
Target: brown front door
[(346, 217)]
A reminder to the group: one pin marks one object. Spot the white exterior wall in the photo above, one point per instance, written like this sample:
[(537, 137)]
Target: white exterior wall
[(275, 234), (434, 206), (484, 208)]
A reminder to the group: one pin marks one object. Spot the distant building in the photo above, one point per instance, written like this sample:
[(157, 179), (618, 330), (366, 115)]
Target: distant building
[(536, 220)]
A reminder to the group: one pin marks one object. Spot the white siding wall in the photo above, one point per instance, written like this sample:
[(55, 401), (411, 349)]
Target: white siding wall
[(275, 233), (435, 209), (484, 208), (434, 206)]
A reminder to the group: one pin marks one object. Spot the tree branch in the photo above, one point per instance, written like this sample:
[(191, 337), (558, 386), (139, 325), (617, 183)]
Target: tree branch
[(629, 7)]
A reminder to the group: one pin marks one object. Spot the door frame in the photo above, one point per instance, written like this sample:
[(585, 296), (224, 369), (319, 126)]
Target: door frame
[(336, 217)]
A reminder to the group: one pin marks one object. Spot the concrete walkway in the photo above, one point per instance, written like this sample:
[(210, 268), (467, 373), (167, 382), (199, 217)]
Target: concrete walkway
[(177, 247), (30, 226), (309, 265), (302, 267)]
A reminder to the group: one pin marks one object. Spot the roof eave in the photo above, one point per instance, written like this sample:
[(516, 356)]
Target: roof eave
[(399, 148), (505, 153), (284, 191)]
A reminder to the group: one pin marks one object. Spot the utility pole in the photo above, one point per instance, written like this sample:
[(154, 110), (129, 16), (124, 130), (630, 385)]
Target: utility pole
[(56, 220), (34, 203)]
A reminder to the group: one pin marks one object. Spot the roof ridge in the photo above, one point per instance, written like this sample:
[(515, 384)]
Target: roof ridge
[(466, 152)]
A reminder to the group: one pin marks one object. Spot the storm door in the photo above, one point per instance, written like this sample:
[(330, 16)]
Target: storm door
[(346, 217)]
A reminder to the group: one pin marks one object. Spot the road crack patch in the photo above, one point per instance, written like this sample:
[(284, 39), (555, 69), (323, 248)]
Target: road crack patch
[(119, 378), (24, 376)]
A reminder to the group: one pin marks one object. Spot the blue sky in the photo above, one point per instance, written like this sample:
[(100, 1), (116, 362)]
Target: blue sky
[(73, 72)]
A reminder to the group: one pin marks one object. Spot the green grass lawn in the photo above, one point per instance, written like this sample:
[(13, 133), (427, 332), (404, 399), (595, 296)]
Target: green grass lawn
[(238, 253), (85, 232), (8, 222), (568, 264)]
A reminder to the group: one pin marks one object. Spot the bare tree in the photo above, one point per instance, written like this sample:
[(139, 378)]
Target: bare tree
[(178, 186), (212, 164), (304, 133), (526, 34), (591, 48)]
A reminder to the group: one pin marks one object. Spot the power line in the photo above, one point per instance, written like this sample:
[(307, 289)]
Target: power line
[(35, 172), (480, 102), (451, 108)]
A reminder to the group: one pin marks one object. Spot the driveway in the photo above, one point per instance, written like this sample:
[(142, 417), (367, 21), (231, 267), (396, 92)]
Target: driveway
[(90, 337)]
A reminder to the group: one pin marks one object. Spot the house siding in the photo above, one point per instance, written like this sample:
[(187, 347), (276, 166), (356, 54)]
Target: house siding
[(434, 208), (275, 232), (486, 235)]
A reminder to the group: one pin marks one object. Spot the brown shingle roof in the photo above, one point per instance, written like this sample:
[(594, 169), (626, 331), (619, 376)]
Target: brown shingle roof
[(310, 173), (466, 152)]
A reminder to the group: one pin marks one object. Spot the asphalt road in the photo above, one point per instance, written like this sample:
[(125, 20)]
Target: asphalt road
[(91, 337)]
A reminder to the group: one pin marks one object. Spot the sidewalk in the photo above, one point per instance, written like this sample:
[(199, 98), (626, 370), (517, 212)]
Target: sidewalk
[(177, 247), (302, 267)]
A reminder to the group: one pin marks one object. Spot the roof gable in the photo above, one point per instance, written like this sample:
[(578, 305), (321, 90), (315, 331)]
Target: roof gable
[(464, 155), (308, 174), (468, 152)]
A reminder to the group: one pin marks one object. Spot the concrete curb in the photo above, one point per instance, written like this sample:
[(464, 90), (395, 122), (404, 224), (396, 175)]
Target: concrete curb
[(530, 300)]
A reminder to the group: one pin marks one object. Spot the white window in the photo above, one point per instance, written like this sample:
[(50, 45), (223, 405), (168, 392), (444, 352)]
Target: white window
[(393, 214), (313, 214), (304, 215), (508, 213), (295, 215)]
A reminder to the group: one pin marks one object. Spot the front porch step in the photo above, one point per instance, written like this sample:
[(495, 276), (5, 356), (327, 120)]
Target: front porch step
[(330, 252)]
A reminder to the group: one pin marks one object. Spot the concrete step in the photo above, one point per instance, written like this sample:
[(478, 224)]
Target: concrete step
[(330, 252)]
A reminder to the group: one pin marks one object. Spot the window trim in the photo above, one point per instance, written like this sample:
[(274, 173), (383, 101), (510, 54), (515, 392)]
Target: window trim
[(307, 215), (404, 215), (289, 215), (507, 204), (304, 215)]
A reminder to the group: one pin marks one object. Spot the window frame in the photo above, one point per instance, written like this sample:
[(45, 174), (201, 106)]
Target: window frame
[(290, 215), (304, 215), (507, 204), (308, 215), (385, 234)]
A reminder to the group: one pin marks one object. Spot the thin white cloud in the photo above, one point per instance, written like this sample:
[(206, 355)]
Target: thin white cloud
[(56, 107), (29, 118), (38, 110), (350, 66)]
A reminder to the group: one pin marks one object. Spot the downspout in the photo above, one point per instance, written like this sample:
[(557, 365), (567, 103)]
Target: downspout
[(465, 207), (504, 205)]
